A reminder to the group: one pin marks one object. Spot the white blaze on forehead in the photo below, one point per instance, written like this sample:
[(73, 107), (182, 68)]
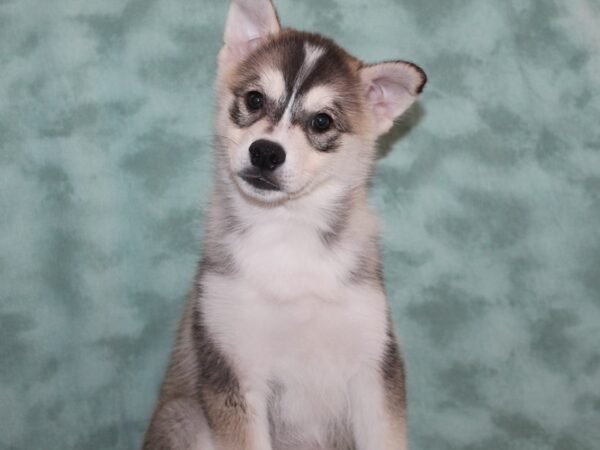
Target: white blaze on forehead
[(273, 83), (312, 54), (318, 98)]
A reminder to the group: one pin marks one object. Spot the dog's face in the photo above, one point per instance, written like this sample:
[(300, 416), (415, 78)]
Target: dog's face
[(295, 111)]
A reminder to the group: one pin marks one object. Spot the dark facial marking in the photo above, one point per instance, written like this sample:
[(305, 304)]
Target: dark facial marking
[(275, 109), (333, 67), (239, 111), (286, 54), (324, 141), (245, 84), (235, 114), (340, 121), (337, 112), (328, 144), (330, 68), (293, 56), (241, 115)]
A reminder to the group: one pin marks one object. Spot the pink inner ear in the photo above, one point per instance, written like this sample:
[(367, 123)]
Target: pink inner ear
[(377, 97), (375, 93), (390, 89), (388, 97)]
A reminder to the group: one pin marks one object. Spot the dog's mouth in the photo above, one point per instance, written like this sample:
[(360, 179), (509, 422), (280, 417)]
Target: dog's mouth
[(259, 180)]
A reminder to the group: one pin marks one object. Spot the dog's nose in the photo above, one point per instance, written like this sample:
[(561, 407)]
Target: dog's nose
[(266, 155)]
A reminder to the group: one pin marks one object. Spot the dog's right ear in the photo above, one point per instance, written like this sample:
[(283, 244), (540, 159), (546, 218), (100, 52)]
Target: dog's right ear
[(248, 23)]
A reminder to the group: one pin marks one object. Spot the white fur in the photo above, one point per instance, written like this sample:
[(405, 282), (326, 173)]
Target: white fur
[(286, 315), (272, 83), (319, 98)]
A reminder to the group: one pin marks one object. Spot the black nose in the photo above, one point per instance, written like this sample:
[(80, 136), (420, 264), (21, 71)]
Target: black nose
[(266, 155)]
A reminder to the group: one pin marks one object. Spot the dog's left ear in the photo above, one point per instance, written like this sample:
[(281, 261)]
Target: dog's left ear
[(248, 23), (390, 88)]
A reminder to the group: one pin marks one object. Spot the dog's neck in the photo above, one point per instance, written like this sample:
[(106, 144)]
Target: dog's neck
[(328, 235), (325, 210)]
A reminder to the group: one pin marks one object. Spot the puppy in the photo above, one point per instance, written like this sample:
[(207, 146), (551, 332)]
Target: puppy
[(286, 341)]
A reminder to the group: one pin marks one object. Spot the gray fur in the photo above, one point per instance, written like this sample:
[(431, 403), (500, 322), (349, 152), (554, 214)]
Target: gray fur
[(175, 425), (392, 369), (217, 259), (200, 389), (367, 267), (339, 217), (223, 221)]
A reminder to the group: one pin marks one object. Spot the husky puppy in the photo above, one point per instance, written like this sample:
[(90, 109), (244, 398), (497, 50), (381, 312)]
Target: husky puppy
[(286, 341)]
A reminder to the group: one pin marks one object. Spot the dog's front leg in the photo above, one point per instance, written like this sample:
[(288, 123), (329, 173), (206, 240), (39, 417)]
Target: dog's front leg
[(235, 406), (378, 404), (237, 421)]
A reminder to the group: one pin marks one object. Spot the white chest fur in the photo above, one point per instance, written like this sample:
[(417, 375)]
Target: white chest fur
[(292, 324)]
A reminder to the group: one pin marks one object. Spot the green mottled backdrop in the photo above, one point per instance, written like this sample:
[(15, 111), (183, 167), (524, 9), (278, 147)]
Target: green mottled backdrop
[(489, 193)]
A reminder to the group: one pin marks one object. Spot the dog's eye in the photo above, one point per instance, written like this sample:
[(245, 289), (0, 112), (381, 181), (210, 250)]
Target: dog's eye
[(254, 100), (322, 122)]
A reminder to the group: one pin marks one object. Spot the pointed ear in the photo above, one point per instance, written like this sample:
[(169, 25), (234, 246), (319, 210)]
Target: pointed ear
[(390, 88), (248, 23)]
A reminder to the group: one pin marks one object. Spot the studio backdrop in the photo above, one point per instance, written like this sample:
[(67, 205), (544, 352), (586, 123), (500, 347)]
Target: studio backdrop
[(488, 192)]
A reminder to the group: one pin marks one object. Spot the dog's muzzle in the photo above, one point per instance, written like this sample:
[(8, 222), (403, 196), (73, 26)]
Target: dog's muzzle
[(265, 157)]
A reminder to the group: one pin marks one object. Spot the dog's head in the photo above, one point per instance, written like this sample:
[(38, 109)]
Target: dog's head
[(295, 111)]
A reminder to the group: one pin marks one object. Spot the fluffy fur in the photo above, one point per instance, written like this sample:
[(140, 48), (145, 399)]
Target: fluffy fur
[(286, 341)]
